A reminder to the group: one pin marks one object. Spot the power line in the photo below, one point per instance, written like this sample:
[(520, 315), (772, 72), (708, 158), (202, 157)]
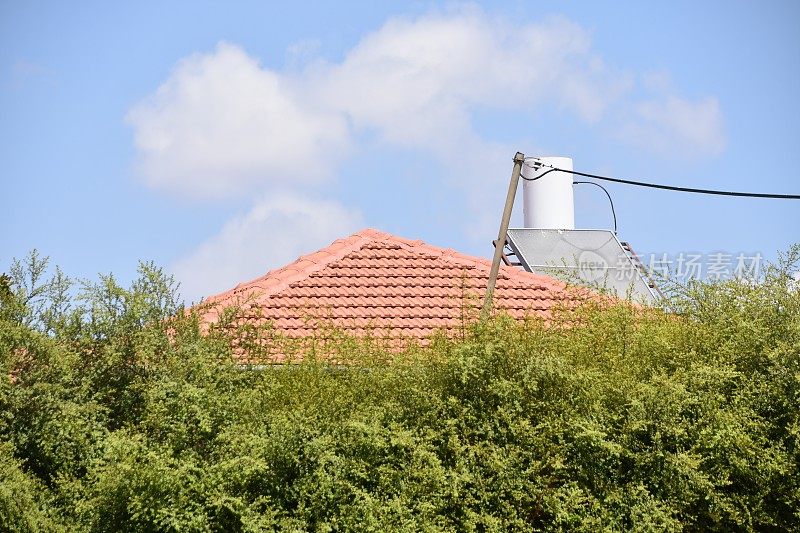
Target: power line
[(610, 201), (539, 165)]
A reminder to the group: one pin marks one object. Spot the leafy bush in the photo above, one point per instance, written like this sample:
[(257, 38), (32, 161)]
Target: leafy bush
[(118, 412)]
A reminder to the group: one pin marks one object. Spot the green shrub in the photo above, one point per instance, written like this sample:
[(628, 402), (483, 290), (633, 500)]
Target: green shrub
[(118, 414), (22, 497)]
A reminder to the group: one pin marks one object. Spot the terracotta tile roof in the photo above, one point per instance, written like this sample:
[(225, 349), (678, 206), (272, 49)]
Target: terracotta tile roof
[(387, 285)]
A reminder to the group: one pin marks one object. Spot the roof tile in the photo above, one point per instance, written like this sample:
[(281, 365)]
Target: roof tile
[(380, 283)]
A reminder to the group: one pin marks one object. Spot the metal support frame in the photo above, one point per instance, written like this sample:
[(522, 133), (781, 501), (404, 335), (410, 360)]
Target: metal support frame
[(646, 275), (508, 253), (519, 159)]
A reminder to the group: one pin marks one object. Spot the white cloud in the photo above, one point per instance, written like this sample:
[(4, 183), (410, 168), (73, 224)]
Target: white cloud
[(670, 125), (418, 80), (222, 124), (673, 124), (277, 230)]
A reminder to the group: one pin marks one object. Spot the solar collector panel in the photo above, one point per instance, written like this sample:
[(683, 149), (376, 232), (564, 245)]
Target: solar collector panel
[(593, 258)]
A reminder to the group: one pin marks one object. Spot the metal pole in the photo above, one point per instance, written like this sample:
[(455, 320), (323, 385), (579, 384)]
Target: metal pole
[(519, 158)]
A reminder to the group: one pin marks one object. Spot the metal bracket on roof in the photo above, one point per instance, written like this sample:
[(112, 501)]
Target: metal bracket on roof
[(646, 275), (508, 251)]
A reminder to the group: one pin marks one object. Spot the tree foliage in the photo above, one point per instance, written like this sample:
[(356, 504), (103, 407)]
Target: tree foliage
[(118, 411)]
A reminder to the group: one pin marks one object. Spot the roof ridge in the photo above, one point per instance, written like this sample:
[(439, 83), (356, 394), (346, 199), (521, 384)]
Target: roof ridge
[(279, 279)]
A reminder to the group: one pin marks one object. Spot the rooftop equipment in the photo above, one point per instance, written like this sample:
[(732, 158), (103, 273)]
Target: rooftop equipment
[(547, 200), (550, 244)]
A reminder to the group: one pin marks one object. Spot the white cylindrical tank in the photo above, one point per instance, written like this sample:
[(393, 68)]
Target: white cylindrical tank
[(547, 203)]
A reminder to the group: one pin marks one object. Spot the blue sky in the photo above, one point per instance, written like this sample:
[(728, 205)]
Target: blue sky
[(225, 139)]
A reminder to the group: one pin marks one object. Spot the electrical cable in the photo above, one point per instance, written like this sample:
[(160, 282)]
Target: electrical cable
[(657, 185), (610, 201)]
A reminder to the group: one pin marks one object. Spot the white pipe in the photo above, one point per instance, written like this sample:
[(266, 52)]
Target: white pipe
[(547, 203)]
